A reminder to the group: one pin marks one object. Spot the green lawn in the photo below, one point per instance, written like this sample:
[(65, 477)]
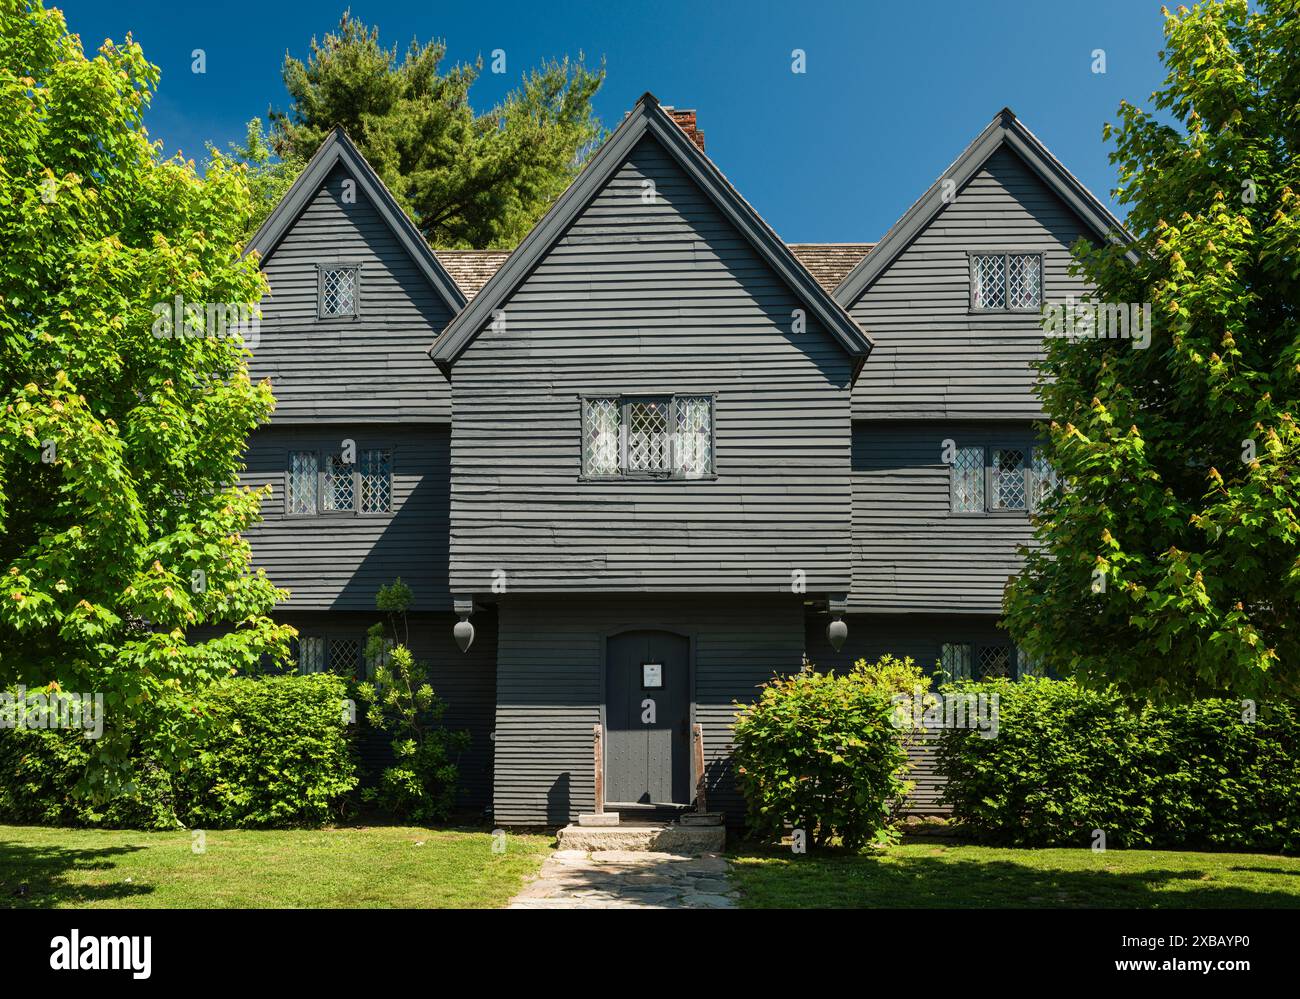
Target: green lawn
[(381, 866), (925, 875)]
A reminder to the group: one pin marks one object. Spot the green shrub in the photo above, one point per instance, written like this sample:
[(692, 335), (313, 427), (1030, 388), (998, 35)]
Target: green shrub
[(1067, 761), (39, 767), (421, 784), (821, 751), (275, 753), (1227, 782)]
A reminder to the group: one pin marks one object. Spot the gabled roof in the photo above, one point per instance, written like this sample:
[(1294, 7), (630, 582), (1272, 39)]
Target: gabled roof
[(338, 149), (1005, 130), (648, 118), (830, 263), (471, 269), (827, 262)]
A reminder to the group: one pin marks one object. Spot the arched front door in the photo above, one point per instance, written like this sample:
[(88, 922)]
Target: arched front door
[(647, 718)]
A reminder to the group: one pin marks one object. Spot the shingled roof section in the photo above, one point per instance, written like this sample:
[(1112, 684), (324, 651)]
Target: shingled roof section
[(470, 269), (827, 262)]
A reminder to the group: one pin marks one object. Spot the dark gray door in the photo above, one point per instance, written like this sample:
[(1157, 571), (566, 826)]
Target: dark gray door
[(646, 725)]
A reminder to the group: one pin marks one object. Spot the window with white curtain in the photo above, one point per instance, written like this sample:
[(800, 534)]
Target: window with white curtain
[(647, 437), (301, 480)]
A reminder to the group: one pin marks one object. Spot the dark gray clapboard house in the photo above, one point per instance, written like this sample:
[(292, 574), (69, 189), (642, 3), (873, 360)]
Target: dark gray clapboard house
[(657, 450)]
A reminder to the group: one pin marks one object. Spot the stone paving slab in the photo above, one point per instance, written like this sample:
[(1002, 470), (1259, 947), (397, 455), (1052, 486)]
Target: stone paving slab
[(625, 879)]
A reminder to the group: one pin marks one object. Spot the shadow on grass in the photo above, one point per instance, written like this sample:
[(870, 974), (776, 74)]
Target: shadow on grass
[(35, 877), (840, 879), (1268, 870)]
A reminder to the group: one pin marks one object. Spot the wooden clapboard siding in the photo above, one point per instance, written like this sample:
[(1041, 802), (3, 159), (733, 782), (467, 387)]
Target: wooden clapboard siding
[(934, 358), (374, 368), (466, 681), (339, 561), (549, 678), (910, 552), (651, 298)]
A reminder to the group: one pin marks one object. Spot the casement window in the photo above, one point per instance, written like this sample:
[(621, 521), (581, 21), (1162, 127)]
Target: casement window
[(344, 655), (666, 436), (375, 478), (960, 660), (301, 483), (321, 654), (1006, 282), (1007, 474), (384, 657), (994, 661), (1027, 666), (339, 481), (968, 480), (955, 660), (325, 483), (1043, 482), (338, 291), (998, 479), (309, 651)]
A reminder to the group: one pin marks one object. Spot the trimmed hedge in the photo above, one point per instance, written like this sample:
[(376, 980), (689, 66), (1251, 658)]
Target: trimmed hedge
[(1067, 761), (276, 754)]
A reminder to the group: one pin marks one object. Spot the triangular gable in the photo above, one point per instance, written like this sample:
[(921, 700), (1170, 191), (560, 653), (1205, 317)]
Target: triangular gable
[(335, 150), (1005, 130), (647, 117)]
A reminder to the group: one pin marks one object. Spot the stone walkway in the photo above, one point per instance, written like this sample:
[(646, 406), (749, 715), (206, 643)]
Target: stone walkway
[(619, 879)]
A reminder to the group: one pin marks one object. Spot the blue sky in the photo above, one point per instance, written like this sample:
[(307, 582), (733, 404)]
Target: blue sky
[(892, 93)]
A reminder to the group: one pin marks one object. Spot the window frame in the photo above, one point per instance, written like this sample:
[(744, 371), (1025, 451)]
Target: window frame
[(338, 265), (1032, 500), (1027, 452), (295, 651), (287, 464), (321, 456), (392, 481), (975, 646), (327, 639), (970, 660), (626, 399), (1006, 256)]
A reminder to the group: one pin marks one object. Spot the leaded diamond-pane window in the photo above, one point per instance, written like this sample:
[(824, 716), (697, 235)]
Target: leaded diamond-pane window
[(648, 438), (344, 655), (988, 272), (338, 291), (670, 436), (968, 480), (1008, 479), (955, 660), (1024, 281), (376, 480), (339, 488), (1042, 479), (693, 443), (600, 445), (1026, 666), (994, 660), (311, 654), (1006, 281), (301, 489)]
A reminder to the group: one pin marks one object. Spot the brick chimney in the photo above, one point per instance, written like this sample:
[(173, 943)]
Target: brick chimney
[(685, 119)]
